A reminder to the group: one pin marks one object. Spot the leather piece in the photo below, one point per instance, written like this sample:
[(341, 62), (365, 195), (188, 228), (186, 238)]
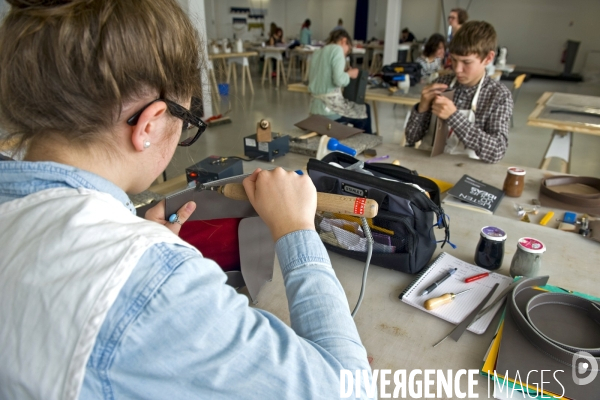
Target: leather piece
[(321, 125), (588, 201), (257, 254), (529, 347), (257, 249)]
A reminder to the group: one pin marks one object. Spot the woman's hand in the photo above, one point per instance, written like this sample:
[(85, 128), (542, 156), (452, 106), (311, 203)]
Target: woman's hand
[(353, 73), (286, 201), (157, 214)]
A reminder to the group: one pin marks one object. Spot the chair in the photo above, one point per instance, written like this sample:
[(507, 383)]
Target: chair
[(515, 93), (243, 61), (267, 68)]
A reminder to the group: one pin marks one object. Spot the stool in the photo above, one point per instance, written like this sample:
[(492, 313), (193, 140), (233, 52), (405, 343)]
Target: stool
[(243, 61), (377, 62), (276, 55), (559, 147)]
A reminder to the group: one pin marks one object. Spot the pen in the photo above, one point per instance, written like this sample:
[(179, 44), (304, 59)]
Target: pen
[(370, 160), (434, 285), (476, 277)]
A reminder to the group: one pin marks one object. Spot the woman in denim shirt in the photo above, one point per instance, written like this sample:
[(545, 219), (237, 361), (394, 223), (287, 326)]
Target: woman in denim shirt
[(99, 303)]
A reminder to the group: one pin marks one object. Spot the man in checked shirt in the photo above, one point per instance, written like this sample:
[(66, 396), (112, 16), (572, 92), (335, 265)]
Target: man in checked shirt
[(478, 116)]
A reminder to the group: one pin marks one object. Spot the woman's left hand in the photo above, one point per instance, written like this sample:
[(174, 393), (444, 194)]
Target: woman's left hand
[(157, 214)]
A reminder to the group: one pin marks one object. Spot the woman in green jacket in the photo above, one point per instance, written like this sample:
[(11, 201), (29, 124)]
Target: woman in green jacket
[(328, 76)]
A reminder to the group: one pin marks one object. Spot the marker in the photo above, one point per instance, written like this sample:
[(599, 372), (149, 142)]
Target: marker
[(434, 285), (476, 277)]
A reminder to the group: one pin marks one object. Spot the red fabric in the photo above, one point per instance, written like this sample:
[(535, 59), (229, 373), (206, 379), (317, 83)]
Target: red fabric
[(216, 239)]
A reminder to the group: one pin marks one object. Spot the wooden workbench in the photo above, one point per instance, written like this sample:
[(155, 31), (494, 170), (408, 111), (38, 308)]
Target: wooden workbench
[(564, 126), (399, 336)]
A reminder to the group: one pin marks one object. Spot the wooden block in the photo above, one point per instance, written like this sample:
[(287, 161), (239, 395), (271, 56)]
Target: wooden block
[(263, 131)]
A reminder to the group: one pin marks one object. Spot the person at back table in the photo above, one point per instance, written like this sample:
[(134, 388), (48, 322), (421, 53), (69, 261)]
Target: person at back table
[(276, 38), (327, 77), (339, 26), (432, 59), (407, 36), (479, 116), (305, 34), (456, 19)]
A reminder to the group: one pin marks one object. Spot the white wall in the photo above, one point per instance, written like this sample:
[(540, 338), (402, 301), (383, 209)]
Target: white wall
[(288, 14), (535, 31), (376, 19)]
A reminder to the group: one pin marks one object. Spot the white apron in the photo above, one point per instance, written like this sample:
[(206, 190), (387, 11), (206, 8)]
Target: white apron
[(65, 256), (453, 143), (336, 103)]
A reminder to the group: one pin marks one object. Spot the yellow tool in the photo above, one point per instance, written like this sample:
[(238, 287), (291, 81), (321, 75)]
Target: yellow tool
[(443, 299), (547, 218)]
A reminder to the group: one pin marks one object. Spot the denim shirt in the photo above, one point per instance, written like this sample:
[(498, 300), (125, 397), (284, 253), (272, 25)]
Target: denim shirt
[(176, 330)]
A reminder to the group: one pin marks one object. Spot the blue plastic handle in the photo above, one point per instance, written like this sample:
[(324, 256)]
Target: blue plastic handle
[(335, 145)]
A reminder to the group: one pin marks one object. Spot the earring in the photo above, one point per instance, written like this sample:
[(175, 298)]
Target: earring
[(146, 144)]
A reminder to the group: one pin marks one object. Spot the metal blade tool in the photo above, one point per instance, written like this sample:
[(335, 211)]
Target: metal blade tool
[(462, 327)]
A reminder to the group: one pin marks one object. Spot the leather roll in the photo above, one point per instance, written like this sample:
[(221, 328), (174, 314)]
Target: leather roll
[(585, 203)]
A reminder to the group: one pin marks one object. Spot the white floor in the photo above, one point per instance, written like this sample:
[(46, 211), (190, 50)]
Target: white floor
[(526, 144)]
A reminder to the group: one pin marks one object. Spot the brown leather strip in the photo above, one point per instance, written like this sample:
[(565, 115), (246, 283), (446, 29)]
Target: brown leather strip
[(580, 200)]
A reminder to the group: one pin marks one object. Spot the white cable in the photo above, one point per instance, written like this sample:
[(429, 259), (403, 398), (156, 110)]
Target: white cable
[(369, 237)]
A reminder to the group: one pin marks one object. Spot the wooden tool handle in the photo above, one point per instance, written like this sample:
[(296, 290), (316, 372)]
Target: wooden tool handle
[(335, 203), (308, 135), (438, 301)]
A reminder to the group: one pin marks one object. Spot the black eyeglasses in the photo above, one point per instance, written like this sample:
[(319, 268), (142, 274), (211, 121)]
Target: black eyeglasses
[(189, 118)]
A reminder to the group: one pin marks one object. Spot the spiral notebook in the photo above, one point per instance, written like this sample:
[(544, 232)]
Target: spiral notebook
[(456, 311)]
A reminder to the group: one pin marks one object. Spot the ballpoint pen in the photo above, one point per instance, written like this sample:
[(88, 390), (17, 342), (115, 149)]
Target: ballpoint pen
[(434, 285), (476, 277)]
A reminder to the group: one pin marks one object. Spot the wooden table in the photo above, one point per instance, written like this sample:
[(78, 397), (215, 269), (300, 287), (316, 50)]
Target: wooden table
[(445, 167), (233, 58), (399, 336), (561, 142), (377, 96)]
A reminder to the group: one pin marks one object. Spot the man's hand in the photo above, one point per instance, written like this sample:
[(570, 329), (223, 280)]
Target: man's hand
[(428, 94), (157, 214), (443, 107), (285, 201), (353, 73)]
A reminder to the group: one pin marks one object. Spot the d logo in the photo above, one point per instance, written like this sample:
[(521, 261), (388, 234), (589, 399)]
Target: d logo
[(585, 368)]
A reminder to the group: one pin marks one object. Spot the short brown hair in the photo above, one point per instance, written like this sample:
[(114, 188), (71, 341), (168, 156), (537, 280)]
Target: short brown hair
[(474, 37), (462, 14), (69, 66), (339, 34)]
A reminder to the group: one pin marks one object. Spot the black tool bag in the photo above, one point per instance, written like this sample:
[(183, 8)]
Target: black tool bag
[(390, 73), (403, 228)]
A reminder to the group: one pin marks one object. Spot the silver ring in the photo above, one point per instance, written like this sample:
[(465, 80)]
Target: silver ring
[(174, 219)]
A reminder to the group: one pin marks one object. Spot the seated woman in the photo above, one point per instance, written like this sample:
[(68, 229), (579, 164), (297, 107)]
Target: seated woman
[(432, 59), (305, 34), (327, 77), (98, 303), (276, 39)]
